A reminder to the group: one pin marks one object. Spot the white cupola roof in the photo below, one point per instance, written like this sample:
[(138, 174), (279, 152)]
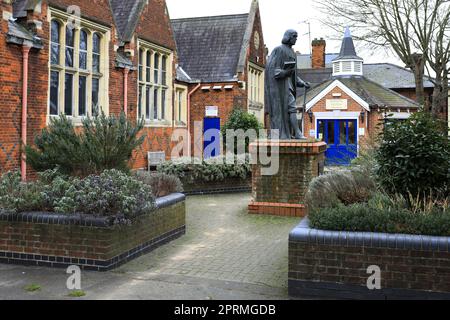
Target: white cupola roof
[(347, 63)]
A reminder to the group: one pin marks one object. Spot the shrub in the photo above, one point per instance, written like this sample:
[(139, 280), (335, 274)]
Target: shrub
[(340, 188), (382, 214), (103, 143), (241, 120), (162, 184), (17, 196), (414, 157), (211, 170), (111, 193)]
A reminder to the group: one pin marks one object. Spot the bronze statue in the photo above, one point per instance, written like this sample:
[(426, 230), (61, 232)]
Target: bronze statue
[(281, 88)]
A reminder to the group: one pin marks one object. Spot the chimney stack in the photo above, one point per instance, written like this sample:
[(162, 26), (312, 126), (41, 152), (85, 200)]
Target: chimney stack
[(318, 53)]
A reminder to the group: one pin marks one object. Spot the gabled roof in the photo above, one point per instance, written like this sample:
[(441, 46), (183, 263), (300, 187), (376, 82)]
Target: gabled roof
[(209, 47), (374, 94), (214, 49), (126, 15)]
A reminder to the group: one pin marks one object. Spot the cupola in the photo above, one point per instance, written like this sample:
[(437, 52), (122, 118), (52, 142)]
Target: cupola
[(347, 63)]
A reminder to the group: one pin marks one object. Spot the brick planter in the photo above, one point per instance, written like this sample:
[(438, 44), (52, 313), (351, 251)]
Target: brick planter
[(43, 239), (283, 194), (328, 264), (225, 186)]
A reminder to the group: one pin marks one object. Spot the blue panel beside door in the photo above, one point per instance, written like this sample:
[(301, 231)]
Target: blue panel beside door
[(342, 139), (211, 144)]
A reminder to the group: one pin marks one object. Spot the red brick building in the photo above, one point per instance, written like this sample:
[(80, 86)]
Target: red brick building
[(345, 107), (223, 60), (78, 57)]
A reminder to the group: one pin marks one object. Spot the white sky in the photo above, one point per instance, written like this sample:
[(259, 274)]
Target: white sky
[(277, 16)]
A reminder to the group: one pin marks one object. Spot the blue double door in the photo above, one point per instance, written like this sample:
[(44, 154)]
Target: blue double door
[(342, 139)]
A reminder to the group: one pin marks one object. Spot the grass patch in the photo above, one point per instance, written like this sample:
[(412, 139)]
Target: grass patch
[(33, 288), (77, 294)]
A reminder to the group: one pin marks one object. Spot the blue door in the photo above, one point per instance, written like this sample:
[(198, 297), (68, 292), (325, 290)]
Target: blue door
[(342, 139), (211, 137)]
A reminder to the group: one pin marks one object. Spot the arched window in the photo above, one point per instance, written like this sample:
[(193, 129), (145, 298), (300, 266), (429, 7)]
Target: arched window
[(148, 66), (96, 41), (55, 42), (156, 68), (141, 64), (83, 50), (70, 42), (164, 70)]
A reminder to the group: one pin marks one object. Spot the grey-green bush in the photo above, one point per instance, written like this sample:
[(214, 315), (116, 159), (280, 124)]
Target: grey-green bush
[(342, 187), (162, 184)]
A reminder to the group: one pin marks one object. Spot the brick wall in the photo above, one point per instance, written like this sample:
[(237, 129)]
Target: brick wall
[(226, 100), (318, 53), (154, 26), (335, 264), (94, 245), (11, 94)]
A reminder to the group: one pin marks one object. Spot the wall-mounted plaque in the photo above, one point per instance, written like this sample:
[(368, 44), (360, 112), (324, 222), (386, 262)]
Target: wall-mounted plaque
[(337, 104), (212, 111)]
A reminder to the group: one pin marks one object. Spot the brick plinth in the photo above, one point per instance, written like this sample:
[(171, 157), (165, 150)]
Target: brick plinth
[(277, 209), (283, 193)]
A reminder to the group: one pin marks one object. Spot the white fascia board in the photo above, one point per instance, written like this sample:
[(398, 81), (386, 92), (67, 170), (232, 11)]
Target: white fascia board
[(343, 87)]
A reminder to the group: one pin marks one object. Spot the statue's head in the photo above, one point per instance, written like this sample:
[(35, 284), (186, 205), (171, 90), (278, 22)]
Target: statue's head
[(290, 37)]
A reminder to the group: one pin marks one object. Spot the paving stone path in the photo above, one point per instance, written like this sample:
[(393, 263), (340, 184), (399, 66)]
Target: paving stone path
[(226, 254), (224, 242)]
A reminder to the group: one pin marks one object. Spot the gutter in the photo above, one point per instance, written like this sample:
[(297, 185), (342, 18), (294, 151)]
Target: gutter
[(189, 116)]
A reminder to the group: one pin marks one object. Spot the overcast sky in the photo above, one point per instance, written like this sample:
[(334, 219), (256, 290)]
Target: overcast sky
[(277, 16)]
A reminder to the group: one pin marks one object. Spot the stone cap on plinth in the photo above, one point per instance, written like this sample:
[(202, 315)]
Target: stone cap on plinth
[(290, 146)]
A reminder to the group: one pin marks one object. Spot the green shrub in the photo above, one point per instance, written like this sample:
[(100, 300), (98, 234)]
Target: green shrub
[(211, 170), (384, 215), (340, 188), (241, 120), (108, 194), (17, 196), (414, 157), (112, 193), (102, 143), (162, 184)]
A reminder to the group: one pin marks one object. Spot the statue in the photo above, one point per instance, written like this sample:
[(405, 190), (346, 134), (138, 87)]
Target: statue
[(281, 89)]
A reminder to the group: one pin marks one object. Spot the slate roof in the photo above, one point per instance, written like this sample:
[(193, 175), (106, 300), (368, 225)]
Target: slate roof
[(392, 76), (348, 50), (126, 16), (373, 93), (386, 74), (209, 48), (19, 7), (304, 60)]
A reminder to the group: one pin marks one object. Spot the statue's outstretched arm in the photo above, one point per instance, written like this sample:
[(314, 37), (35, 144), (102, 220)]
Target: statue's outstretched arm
[(303, 84)]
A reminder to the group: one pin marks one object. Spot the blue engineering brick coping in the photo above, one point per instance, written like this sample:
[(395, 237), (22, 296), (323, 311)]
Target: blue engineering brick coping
[(303, 233), (87, 221)]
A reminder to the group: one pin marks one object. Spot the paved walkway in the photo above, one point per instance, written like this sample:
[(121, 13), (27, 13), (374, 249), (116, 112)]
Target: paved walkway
[(226, 254)]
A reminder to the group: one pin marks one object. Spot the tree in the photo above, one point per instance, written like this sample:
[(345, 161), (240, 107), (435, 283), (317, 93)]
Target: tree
[(417, 31)]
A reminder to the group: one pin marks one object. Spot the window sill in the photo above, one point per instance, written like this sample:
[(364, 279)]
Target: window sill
[(157, 124)]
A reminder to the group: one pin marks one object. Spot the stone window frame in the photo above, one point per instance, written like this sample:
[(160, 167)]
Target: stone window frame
[(148, 87), (91, 28), (255, 84), (180, 112)]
